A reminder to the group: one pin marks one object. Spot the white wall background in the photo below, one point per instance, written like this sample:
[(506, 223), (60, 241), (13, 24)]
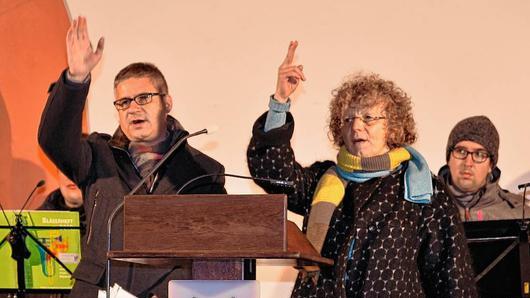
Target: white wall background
[(455, 58)]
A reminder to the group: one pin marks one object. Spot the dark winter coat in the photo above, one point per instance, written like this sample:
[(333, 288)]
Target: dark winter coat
[(102, 167), (382, 245)]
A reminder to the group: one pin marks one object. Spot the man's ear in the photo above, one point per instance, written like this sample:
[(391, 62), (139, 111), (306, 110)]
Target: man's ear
[(168, 103)]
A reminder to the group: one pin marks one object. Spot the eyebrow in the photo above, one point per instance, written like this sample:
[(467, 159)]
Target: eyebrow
[(471, 149)]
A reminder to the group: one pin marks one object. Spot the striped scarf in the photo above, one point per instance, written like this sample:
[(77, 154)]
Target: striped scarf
[(331, 187), (145, 157)]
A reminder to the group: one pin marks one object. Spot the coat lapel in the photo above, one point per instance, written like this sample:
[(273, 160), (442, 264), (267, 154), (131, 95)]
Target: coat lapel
[(128, 174), (179, 169)]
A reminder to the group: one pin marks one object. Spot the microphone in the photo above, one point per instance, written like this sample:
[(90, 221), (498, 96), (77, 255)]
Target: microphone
[(282, 183), (209, 130), (17, 216), (521, 186), (39, 184)]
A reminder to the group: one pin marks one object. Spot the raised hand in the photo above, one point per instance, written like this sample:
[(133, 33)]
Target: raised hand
[(81, 57), (289, 75)]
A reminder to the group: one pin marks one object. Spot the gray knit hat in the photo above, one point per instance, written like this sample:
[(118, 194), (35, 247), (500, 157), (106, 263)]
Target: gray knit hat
[(478, 129)]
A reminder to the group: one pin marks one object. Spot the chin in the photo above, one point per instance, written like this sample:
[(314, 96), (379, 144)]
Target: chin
[(136, 137), (365, 154), (467, 188), (362, 152)]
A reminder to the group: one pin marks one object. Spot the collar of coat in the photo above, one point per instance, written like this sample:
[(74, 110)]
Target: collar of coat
[(490, 194)]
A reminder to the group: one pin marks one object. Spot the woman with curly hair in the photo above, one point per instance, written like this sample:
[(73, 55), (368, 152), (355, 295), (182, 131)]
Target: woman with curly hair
[(377, 211)]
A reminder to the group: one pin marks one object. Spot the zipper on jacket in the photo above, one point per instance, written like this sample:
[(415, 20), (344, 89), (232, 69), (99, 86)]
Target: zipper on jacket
[(350, 247), (89, 234), (467, 214)]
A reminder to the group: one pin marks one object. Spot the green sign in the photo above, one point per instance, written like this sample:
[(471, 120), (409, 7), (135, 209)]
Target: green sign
[(41, 270)]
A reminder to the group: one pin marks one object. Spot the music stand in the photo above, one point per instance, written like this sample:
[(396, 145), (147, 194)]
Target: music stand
[(20, 231), (500, 253)]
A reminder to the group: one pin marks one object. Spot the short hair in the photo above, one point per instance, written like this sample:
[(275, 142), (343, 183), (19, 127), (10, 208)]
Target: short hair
[(143, 70), (368, 90)]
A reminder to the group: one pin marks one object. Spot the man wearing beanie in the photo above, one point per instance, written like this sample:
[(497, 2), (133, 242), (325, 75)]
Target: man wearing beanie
[(471, 175)]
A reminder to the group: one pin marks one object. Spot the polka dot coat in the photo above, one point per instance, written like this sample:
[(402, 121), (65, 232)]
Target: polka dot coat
[(382, 245)]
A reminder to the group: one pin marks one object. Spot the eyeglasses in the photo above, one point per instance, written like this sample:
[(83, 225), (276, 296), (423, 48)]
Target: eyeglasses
[(366, 119), (478, 156), (140, 99)]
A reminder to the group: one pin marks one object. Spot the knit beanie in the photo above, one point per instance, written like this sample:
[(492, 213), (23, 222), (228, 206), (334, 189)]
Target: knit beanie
[(478, 129)]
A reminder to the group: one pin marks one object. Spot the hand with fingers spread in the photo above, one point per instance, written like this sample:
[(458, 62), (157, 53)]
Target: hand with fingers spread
[(289, 75), (81, 56)]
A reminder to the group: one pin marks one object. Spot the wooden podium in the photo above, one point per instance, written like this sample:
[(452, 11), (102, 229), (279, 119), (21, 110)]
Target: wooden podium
[(213, 234)]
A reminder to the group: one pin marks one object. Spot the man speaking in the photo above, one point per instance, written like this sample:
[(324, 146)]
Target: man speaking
[(108, 167)]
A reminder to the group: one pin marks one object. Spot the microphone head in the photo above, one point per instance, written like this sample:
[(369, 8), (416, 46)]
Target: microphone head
[(41, 183), (211, 129), (284, 183), (278, 182)]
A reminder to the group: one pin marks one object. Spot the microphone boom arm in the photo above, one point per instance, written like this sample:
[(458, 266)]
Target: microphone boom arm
[(273, 181), (135, 189)]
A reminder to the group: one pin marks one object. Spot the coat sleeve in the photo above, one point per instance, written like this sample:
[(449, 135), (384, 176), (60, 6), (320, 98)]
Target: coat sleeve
[(269, 155), (59, 133), (444, 259)]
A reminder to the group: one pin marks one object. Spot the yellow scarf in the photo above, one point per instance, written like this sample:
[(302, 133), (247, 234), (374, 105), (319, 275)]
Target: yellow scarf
[(331, 187), (389, 161)]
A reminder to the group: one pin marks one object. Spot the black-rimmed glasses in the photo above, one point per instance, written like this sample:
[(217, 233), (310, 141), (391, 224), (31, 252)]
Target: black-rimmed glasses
[(141, 99), (478, 156)]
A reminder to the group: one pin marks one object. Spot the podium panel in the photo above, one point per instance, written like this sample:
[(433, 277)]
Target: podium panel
[(205, 223), (220, 235)]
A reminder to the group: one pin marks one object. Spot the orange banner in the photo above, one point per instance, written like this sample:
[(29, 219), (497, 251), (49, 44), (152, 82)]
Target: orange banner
[(32, 55)]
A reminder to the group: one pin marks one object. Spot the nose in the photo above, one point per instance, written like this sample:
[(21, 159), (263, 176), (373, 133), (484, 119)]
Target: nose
[(357, 124), (469, 160), (133, 106)]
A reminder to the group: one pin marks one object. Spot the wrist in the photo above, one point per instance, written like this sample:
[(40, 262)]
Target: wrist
[(280, 98), (277, 106), (76, 78)]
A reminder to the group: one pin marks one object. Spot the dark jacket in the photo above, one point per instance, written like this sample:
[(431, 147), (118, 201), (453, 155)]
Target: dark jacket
[(102, 167), (382, 245), (491, 202)]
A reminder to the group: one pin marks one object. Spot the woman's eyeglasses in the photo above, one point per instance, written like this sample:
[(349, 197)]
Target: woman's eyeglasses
[(366, 119)]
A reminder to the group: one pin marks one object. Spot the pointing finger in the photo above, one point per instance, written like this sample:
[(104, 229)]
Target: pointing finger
[(290, 53)]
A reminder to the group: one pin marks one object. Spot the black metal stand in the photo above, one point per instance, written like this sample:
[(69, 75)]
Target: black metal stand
[(501, 256), (19, 251), (524, 258)]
